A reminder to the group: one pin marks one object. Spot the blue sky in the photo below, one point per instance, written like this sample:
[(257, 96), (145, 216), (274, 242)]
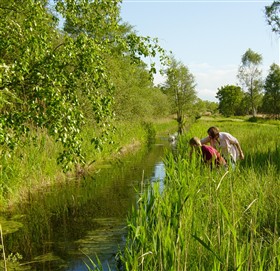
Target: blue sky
[(209, 37)]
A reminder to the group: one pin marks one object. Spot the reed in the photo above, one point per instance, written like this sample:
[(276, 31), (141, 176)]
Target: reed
[(33, 165), (3, 249), (211, 220)]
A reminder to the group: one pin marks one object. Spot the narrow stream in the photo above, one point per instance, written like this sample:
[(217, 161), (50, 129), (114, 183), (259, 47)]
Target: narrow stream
[(65, 226)]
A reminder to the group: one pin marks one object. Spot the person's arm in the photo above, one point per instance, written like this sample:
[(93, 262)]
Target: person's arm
[(220, 160), (205, 140), (235, 142), (239, 150)]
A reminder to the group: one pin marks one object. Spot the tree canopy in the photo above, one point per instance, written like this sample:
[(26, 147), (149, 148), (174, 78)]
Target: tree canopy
[(230, 98), (272, 14), (271, 99), (180, 88), (249, 74), (47, 75)]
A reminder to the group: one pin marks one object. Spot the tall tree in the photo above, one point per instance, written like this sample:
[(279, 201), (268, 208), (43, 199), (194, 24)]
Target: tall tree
[(271, 99), (180, 87), (250, 76), (230, 98), (272, 14)]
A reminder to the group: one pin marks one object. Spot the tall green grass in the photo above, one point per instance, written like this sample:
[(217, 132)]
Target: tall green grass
[(211, 220), (33, 164)]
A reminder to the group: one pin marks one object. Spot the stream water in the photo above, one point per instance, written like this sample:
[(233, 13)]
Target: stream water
[(65, 226)]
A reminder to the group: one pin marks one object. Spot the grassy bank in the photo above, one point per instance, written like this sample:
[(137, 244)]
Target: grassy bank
[(34, 165), (215, 220)]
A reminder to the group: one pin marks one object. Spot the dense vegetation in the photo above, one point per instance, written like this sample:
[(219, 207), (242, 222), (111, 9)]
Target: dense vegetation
[(72, 76), (257, 95), (211, 220), (60, 81), (272, 13)]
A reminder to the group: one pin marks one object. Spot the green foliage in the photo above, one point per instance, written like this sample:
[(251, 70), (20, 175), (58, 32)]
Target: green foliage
[(52, 80), (135, 98), (211, 220), (272, 16), (211, 107), (180, 88), (151, 132), (203, 108), (98, 19), (230, 98), (249, 75), (253, 119), (34, 166), (271, 99)]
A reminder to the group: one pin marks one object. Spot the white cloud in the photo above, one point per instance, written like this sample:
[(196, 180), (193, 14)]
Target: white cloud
[(210, 78)]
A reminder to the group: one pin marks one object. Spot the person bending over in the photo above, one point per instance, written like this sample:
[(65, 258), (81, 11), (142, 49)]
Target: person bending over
[(226, 143), (209, 154)]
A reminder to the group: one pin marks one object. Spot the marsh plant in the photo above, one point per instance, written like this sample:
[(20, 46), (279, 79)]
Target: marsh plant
[(3, 248), (211, 220)]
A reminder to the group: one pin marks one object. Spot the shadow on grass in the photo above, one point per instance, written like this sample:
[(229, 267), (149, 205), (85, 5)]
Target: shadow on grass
[(262, 160)]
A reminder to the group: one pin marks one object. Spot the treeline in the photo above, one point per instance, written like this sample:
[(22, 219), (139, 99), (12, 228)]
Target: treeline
[(254, 94), (60, 79), (67, 64)]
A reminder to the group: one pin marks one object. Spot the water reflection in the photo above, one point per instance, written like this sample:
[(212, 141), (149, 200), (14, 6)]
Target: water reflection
[(159, 172), (64, 225), (159, 175)]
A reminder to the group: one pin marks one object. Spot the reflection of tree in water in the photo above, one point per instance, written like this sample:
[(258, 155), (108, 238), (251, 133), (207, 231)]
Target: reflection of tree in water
[(85, 214)]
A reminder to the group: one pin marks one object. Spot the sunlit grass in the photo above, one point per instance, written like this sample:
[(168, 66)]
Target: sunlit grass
[(33, 165), (202, 219), (211, 220)]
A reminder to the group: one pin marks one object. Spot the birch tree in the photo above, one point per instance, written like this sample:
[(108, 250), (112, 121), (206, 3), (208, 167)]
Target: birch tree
[(180, 87), (250, 77)]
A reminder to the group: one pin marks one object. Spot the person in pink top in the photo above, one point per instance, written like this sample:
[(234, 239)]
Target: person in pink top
[(209, 154), (226, 143)]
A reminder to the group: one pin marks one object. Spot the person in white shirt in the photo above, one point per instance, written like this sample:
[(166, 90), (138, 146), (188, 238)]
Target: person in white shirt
[(227, 144)]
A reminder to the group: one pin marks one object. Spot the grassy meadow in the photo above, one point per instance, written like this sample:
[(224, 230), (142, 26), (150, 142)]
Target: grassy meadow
[(212, 220)]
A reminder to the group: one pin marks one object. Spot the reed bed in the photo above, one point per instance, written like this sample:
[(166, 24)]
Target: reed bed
[(211, 220)]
